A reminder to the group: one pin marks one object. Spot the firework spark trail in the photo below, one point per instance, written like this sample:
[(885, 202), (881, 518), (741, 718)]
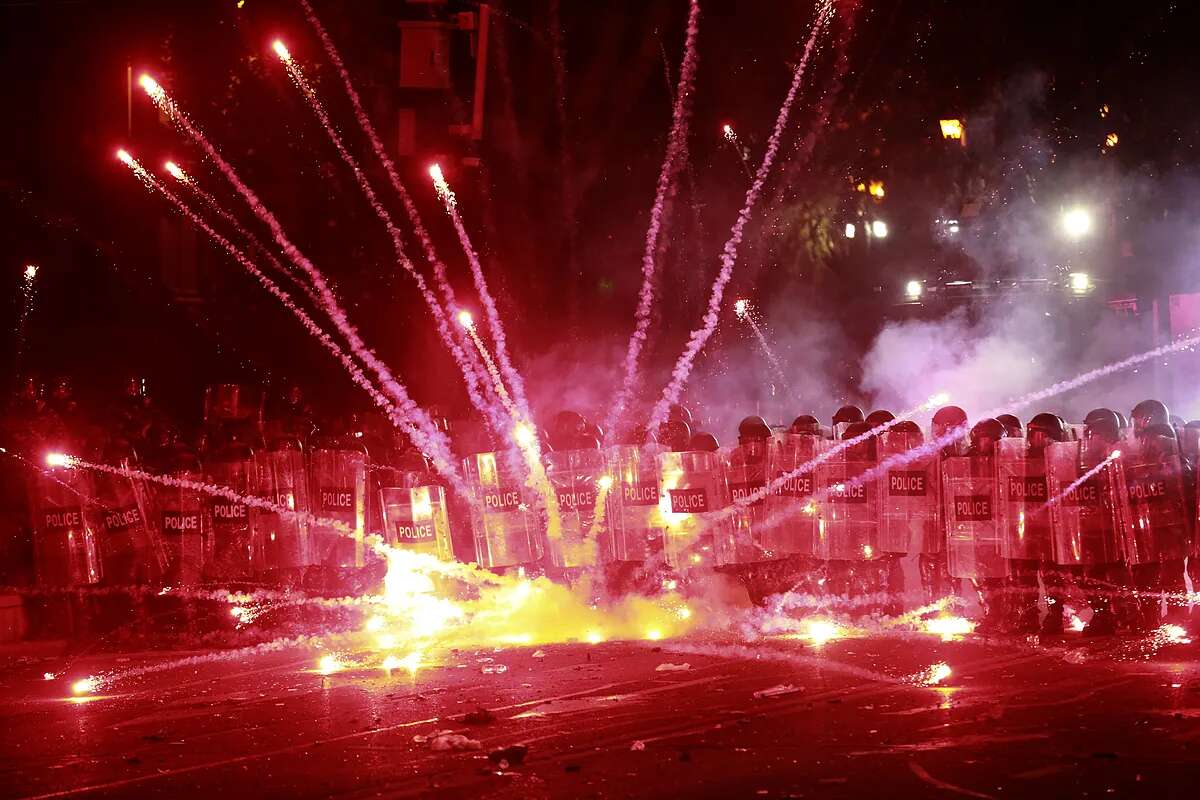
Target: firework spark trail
[(28, 295), (804, 147), (698, 338), (193, 186), (676, 143), (492, 313), (746, 313), (470, 377), (212, 489), (424, 433), (87, 499), (838, 447), (389, 167), (1075, 484), (465, 320), (955, 434), (356, 373), (274, 646), (730, 135)]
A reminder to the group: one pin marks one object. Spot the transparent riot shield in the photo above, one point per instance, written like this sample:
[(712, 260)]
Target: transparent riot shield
[(575, 476), (1024, 516), (1085, 512), (634, 524), (506, 526), (973, 533), (691, 484), (183, 523), (744, 540), (280, 541), (232, 468), (910, 519), (130, 546), (791, 510), (416, 519), (66, 549), (1158, 527), (847, 509), (338, 488)]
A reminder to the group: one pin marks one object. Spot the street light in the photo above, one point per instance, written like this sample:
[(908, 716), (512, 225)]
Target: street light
[(851, 230), (913, 290), (879, 229), (1077, 222), (1080, 282)]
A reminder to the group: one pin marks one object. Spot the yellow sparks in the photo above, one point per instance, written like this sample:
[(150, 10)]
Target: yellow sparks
[(820, 631), (949, 628), (330, 664), (85, 685)]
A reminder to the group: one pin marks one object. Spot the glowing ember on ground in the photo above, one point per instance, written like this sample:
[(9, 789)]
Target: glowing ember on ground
[(820, 631), (85, 685), (949, 628), (411, 662), (330, 664), (937, 673), (243, 615), (1174, 634)]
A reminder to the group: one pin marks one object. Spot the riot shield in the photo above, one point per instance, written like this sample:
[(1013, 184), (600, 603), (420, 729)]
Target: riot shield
[(130, 546), (691, 484), (847, 509), (231, 468), (338, 488), (280, 541), (744, 540), (181, 518), (416, 519), (1085, 512), (1024, 517), (973, 533), (1158, 527), (791, 510), (506, 526), (65, 542), (634, 525), (575, 476), (910, 519)]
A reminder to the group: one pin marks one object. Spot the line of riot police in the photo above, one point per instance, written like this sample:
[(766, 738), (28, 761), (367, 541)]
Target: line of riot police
[(1026, 516)]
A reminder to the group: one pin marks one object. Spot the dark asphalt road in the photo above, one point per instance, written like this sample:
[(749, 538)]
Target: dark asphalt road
[(1066, 718)]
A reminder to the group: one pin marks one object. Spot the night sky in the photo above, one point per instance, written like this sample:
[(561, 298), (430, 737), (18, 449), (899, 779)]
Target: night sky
[(561, 207)]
